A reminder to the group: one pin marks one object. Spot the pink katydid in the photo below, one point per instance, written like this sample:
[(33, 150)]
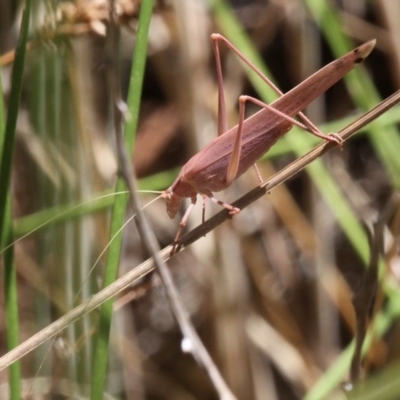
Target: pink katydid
[(235, 150)]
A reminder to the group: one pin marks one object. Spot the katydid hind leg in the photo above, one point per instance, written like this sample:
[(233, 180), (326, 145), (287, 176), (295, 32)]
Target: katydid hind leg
[(311, 127), (234, 159), (330, 137), (217, 37), (222, 115)]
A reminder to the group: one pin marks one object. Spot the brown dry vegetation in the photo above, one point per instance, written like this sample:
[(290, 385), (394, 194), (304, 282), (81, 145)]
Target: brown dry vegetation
[(269, 292)]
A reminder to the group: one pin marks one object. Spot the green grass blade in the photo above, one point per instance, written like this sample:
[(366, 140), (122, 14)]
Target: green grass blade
[(385, 140), (134, 97), (11, 304), (58, 214), (6, 233), (12, 115), (334, 376), (384, 386)]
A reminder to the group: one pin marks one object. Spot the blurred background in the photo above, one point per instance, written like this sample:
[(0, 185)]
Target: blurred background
[(270, 291)]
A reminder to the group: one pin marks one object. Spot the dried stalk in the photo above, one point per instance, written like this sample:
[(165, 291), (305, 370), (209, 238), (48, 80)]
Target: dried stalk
[(148, 266)]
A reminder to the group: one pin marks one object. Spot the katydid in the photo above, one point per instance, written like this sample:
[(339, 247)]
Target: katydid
[(235, 150)]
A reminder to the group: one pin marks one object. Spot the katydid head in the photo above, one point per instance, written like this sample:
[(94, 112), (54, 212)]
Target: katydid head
[(173, 201), (176, 193)]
